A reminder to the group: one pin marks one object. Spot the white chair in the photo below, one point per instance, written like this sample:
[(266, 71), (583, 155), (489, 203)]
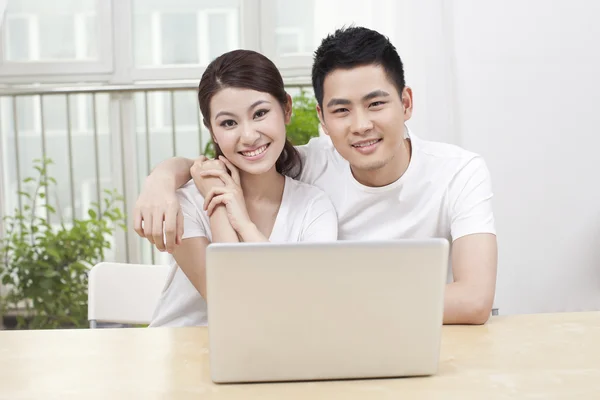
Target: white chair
[(124, 293)]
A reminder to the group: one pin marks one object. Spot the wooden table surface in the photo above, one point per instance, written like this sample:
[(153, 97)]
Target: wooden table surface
[(542, 356)]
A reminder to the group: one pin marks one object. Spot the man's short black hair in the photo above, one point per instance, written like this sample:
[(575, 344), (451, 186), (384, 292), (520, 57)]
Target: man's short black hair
[(355, 47)]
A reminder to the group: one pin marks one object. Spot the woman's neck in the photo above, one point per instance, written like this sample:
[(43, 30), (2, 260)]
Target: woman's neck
[(268, 186)]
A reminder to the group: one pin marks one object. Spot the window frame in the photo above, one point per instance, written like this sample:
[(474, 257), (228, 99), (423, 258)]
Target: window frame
[(116, 64), (291, 66), (75, 70)]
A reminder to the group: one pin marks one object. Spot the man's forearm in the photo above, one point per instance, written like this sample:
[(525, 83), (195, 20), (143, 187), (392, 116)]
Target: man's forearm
[(173, 172), (463, 305)]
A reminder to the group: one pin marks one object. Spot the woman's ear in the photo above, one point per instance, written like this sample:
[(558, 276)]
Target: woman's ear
[(287, 109), (209, 130)]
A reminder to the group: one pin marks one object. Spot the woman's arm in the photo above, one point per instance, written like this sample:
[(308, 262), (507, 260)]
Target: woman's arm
[(250, 233), (222, 231), (190, 256)]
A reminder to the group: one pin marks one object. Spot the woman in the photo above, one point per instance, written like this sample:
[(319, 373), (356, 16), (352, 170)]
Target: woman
[(248, 193)]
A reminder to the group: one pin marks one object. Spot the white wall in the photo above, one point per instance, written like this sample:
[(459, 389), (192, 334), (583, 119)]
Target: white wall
[(519, 82)]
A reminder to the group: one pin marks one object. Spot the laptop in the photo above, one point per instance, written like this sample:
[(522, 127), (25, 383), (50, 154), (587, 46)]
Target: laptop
[(325, 311)]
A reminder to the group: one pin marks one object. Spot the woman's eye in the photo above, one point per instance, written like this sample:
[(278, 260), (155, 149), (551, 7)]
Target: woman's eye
[(228, 123), (260, 113)]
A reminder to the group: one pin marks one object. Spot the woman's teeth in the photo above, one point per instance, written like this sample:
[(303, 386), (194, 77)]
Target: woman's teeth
[(254, 153)]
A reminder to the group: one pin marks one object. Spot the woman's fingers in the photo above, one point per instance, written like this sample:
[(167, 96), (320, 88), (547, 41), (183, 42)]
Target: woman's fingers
[(235, 174)]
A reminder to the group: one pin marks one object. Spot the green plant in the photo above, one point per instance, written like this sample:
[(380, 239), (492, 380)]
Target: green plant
[(302, 127), (46, 267), (304, 124)]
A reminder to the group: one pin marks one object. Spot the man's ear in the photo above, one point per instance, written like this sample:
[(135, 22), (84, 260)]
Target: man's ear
[(322, 119), (288, 109), (407, 102)]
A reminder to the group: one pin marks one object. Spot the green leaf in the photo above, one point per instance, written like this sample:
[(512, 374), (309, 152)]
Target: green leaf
[(53, 252), (50, 274), (92, 213), (46, 283)]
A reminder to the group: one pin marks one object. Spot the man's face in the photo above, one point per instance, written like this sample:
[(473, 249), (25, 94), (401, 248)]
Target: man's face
[(364, 115)]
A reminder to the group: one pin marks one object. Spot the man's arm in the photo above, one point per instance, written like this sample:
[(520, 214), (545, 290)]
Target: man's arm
[(173, 172), (469, 299), (474, 253), (157, 204)]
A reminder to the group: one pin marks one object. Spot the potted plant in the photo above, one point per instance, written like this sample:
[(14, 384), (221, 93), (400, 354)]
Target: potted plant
[(45, 267)]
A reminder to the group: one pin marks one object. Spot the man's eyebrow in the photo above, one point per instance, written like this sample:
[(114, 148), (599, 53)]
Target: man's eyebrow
[(368, 96), (374, 94), (338, 102)]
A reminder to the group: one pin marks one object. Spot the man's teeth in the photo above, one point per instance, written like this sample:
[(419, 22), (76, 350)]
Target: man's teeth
[(365, 144), (254, 153)]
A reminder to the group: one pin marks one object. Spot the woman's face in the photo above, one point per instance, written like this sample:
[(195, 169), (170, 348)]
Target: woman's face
[(249, 127)]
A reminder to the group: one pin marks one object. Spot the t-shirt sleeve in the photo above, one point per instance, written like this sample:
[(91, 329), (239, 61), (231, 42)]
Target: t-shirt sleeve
[(471, 200), (192, 223), (321, 223), (314, 158)]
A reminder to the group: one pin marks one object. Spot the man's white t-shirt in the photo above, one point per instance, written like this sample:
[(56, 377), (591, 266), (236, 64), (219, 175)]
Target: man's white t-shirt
[(305, 214), (446, 192)]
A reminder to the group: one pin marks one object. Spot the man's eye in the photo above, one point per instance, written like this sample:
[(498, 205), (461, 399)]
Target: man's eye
[(340, 110)]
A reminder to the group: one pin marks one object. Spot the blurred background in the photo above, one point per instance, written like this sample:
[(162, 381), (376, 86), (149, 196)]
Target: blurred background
[(106, 89)]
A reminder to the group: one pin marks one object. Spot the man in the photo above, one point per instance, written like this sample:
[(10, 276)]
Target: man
[(384, 181)]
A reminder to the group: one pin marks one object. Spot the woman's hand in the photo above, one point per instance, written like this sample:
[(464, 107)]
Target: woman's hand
[(230, 195), (204, 183)]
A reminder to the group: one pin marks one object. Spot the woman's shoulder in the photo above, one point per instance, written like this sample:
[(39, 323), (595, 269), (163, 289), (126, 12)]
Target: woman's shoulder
[(305, 193), (189, 195)]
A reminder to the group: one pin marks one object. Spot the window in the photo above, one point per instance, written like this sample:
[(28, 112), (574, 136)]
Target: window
[(172, 39), (292, 31), (19, 42), (58, 37)]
